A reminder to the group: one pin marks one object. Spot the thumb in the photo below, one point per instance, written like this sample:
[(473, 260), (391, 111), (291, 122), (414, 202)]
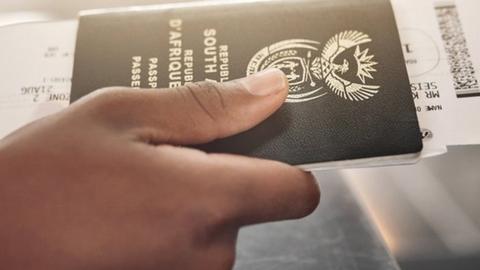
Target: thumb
[(194, 113)]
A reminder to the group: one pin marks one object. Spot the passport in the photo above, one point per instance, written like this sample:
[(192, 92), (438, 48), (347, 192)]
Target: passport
[(349, 102)]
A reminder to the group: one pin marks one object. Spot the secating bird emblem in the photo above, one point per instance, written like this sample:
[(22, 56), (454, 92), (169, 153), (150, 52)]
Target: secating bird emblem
[(343, 67)]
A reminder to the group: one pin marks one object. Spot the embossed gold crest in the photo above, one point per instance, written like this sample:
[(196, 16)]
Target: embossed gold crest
[(343, 67)]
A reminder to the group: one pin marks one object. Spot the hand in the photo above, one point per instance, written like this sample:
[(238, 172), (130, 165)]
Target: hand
[(104, 184)]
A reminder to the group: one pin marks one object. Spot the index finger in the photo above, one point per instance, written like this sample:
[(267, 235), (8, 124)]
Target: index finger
[(247, 190), (265, 190)]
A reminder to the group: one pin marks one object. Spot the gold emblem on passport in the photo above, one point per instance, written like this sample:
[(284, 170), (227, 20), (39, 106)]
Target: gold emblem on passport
[(342, 68)]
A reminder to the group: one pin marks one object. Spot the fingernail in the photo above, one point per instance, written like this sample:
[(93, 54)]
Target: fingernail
[(267, 82)]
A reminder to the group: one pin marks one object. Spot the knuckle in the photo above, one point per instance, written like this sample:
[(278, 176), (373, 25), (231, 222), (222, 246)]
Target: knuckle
[(207, 101), (101, 104), (211, 86), (104, 93), (106, 98), (209, 96)]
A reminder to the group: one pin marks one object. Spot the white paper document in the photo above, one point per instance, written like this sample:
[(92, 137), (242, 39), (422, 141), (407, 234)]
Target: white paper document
[(441, 48), (439, 38), (36, 71)]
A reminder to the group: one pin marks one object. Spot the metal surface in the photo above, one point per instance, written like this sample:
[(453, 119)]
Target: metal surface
[(428, 212), (337, 236)]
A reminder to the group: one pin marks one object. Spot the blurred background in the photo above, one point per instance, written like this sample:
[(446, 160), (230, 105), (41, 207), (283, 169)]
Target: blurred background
[(12, 11), (428, 214)]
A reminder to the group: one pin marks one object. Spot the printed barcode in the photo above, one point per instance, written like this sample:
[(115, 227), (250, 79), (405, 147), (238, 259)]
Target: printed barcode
[(461, 66)]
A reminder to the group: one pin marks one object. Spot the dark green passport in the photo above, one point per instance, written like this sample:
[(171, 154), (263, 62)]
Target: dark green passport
[(349, 104)]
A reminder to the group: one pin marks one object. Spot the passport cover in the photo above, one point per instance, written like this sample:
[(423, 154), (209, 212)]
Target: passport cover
[(349, 96)]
